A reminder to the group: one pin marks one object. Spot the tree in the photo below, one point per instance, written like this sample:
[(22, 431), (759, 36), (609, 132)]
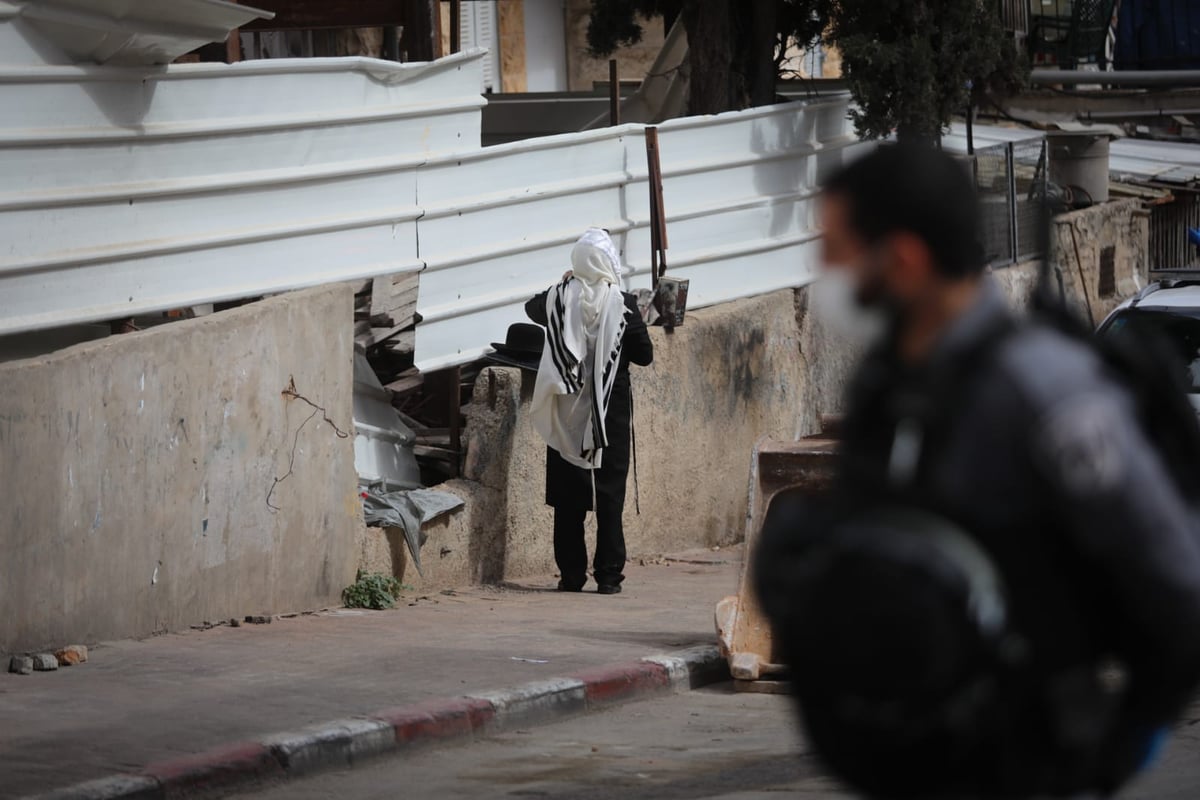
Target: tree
[(910, 64), (735, 47)]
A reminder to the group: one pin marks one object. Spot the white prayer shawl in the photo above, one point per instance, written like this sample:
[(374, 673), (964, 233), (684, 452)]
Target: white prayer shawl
[(586, 325)]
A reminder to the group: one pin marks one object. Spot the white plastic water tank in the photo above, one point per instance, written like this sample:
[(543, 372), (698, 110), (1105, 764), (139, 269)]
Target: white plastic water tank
[(1080, 159)]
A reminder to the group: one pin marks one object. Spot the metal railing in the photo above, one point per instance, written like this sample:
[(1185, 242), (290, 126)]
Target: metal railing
[(1169, 224), (1011, 179)]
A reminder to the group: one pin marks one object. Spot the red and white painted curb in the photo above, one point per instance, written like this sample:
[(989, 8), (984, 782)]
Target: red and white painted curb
[(345, 743)]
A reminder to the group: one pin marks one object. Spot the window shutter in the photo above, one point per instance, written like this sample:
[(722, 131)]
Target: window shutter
[(478, 27)]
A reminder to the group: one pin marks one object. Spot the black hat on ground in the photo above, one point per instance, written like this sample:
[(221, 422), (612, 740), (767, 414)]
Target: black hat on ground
[(522, 347)]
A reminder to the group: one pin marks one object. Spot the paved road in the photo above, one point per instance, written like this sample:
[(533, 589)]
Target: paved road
[(712, 744), (135, 703)]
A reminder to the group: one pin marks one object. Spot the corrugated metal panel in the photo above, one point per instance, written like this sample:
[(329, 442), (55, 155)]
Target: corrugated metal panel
[(218, 193), (238, 180), (85, 127), (132, 31), (497, 228), (738, 190), (1132, 160)]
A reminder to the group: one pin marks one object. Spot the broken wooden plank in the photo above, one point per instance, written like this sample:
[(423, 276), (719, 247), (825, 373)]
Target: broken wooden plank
[(406, 282), (406, 383), (381, 295), (396, 338), (390, 293), (404, 313), (404, 343)]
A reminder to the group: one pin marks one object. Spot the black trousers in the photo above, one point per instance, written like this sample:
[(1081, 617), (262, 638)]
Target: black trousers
[(570, 549)]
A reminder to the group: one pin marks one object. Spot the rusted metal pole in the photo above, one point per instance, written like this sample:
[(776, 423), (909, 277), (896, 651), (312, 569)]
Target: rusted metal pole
[(658, 224), (614, 94), (455, 25), (233, 45)]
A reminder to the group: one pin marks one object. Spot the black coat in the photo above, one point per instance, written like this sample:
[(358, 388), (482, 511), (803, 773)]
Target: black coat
[(569, 486)]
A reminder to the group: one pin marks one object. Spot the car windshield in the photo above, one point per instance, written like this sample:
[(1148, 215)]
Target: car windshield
[(1180, 327)]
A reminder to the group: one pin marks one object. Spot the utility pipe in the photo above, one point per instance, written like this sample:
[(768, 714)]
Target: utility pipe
[(1179, 79)]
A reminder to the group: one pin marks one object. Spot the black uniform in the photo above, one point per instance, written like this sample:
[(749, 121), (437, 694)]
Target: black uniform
[(1034, 449), (569, 488)]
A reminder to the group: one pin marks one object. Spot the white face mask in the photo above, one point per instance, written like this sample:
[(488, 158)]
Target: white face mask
[(833, 298)]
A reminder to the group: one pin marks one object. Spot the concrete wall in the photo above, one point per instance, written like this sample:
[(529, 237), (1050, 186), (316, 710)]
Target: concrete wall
[(139, 474), (1080, 240), (730, 375)]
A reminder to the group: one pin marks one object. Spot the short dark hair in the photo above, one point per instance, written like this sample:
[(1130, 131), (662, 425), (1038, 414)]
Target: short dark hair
[(919, 190)]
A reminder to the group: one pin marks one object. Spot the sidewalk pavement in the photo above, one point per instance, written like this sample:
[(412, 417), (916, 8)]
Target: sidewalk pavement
[(149, 707)]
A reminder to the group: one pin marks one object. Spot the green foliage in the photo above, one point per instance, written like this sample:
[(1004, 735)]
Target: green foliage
[(911, 64), (614, 23), (802, 21), (375, 591)]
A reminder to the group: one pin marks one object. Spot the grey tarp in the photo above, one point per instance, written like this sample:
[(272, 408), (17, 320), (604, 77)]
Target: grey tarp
[(408, 510)]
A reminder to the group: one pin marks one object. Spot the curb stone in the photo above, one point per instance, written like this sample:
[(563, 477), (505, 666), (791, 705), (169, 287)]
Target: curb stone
[(117, 787), (334, 745), (694, 667), (610, 685), (435, 720), (345, 743), (537, 701)]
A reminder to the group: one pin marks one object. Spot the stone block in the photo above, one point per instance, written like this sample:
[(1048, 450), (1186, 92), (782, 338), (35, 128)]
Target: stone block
[(45, 662), (20, 665), (72, 655)]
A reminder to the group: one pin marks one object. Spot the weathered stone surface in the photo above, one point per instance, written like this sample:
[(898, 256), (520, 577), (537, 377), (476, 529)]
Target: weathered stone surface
[(20, 665), (1080, 241), (156, 468), (45, 662), (72, 655)]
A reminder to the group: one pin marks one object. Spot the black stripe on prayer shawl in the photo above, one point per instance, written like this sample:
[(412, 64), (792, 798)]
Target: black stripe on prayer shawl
[(610, 369), (571, 366), (564, 361)]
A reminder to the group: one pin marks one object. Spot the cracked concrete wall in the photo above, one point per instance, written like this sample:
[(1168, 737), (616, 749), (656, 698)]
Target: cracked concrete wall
[(136, 472)]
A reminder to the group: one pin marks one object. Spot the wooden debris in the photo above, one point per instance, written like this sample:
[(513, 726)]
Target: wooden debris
[(406, 382)]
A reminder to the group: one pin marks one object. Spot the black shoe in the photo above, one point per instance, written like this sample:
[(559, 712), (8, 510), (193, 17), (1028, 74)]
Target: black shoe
[(563, 586), (608, 588)]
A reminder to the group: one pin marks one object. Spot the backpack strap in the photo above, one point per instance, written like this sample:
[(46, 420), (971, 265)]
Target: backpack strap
[(951, 385)]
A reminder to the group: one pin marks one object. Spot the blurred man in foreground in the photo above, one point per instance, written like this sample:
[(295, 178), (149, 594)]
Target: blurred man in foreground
[(1001, 597)]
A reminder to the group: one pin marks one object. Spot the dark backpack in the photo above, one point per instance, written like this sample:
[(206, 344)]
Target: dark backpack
[(1149, 365)]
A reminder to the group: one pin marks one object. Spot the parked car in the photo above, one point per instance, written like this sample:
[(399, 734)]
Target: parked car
[(1172, 306)]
